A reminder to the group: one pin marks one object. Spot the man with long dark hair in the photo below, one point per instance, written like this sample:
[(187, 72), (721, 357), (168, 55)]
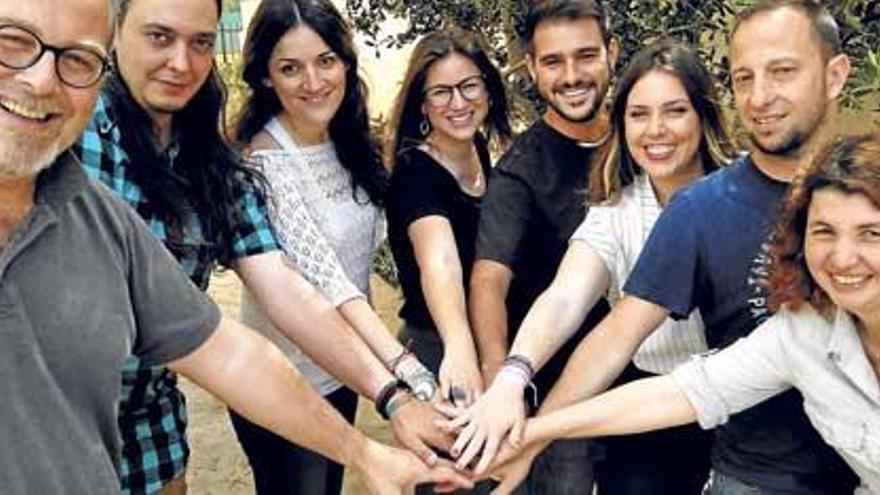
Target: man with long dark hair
[(155, 140)]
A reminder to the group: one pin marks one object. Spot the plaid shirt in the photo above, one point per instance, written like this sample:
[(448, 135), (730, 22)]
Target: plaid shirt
[(152, 413)]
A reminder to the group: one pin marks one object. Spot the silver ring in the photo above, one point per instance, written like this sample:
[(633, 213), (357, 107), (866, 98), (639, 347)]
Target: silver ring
[(457, 393)]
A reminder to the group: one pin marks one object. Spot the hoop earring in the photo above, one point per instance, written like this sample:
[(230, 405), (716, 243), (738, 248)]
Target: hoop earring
[(425, 127)]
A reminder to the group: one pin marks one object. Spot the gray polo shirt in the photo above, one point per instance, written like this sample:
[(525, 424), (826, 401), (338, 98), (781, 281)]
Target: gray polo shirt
[(83, 283), (820, 356)]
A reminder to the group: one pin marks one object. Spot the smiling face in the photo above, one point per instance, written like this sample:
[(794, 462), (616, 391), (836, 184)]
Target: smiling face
[(165, 52), (842, 250), (571, 67), (779, 81), (39, 115), (662, 129), (309, 79), (468, 104)]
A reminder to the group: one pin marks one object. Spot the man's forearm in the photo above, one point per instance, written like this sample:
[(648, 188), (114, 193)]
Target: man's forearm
[(488, 316), (254, 378)]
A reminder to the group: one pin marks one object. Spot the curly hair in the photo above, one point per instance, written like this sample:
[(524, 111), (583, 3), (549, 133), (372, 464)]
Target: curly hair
[(850, 165)]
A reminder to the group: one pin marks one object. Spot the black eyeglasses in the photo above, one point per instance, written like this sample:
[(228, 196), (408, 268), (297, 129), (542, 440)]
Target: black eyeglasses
[(76, 66), (470, 88)]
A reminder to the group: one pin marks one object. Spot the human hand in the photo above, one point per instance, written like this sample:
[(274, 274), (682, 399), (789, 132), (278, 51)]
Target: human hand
[(390, 471), (512, 467), (459, 376), (499, 413), (415, 426)]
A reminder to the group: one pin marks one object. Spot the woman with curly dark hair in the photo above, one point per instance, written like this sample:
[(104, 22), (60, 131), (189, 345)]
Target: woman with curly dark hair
[(824, 339)]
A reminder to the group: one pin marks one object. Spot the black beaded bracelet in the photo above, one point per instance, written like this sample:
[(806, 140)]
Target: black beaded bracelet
[(386, 393)]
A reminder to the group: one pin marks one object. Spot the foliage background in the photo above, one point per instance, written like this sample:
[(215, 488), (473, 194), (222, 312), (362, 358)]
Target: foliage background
[(703, 23)]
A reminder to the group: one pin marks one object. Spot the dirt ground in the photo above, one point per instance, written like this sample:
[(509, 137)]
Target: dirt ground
[(217, 465)]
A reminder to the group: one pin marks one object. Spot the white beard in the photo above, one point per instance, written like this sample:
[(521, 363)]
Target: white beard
[(22, 155)]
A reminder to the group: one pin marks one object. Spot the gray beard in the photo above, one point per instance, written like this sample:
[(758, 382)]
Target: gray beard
[(21, 157)]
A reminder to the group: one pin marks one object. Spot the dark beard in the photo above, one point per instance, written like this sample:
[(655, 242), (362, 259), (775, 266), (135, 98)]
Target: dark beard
[(789, 147)]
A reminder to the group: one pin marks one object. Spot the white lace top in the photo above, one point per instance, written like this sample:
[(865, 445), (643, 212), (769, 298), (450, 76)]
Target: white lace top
[(327, 235)]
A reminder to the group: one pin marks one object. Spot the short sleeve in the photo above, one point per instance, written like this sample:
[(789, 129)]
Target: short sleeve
[(252, 231), (666, 271), (305, 247), (419, 188), (504, 217), (742, 375), (172, 316), (599, 231)]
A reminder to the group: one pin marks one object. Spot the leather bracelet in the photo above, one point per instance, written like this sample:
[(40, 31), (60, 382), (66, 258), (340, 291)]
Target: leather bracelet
[(386, 393)]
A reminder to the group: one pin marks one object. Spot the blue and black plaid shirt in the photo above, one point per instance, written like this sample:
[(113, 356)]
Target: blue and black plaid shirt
[(152, 413)]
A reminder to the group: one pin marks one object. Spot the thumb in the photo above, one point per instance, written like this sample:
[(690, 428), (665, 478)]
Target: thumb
[(421, 449)]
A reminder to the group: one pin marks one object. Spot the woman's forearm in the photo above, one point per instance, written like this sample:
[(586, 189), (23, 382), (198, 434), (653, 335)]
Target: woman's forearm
[(361, 316), (643, 405)]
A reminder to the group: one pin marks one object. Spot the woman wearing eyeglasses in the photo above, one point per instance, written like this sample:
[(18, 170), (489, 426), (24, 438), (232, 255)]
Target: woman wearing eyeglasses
[(451, 103)]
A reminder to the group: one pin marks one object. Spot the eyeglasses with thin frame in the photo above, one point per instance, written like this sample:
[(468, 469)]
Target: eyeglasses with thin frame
[(470, 88), (76, 66)]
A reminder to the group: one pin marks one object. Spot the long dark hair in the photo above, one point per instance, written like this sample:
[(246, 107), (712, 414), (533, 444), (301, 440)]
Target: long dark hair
[(207, 171), (350, 127), (613, 166)]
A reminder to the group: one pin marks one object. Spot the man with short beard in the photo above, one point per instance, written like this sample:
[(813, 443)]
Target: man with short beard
[(84, 284), (154, 139), (707, 251), (534, 203)]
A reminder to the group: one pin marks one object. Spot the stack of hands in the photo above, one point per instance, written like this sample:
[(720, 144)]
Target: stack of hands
[(478, 435)]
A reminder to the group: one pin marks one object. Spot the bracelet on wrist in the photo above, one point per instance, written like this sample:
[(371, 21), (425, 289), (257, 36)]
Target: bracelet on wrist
[(386, 393), (397, 401), (394, 363), (521, 362)]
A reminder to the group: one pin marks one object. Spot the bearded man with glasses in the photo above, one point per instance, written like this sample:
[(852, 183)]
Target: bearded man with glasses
[(84, 284)]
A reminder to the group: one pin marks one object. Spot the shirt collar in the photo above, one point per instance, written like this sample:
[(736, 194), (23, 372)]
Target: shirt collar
[(846, 352), (62, 181)]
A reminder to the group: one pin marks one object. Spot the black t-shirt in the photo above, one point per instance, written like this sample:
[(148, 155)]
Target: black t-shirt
[(534, 203), (421, 187), (708, 251)]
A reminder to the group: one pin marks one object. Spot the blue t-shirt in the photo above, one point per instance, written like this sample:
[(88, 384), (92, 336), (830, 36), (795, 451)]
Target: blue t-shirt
[(708, 250)]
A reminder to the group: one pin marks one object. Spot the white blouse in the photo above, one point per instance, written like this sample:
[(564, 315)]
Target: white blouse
[(617, 233), (327, 234), (820, 356)]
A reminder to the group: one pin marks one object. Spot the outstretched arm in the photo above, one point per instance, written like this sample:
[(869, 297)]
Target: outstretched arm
[(489, 284), (253, 377), (580, 281), (310, 321), (442, 285)]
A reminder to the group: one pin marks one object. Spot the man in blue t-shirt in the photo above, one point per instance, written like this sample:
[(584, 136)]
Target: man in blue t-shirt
[(707, 250)]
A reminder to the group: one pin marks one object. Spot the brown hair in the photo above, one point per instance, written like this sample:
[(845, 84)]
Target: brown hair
[(850, 165), (613, 167), (825, 28), (406, 116)]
